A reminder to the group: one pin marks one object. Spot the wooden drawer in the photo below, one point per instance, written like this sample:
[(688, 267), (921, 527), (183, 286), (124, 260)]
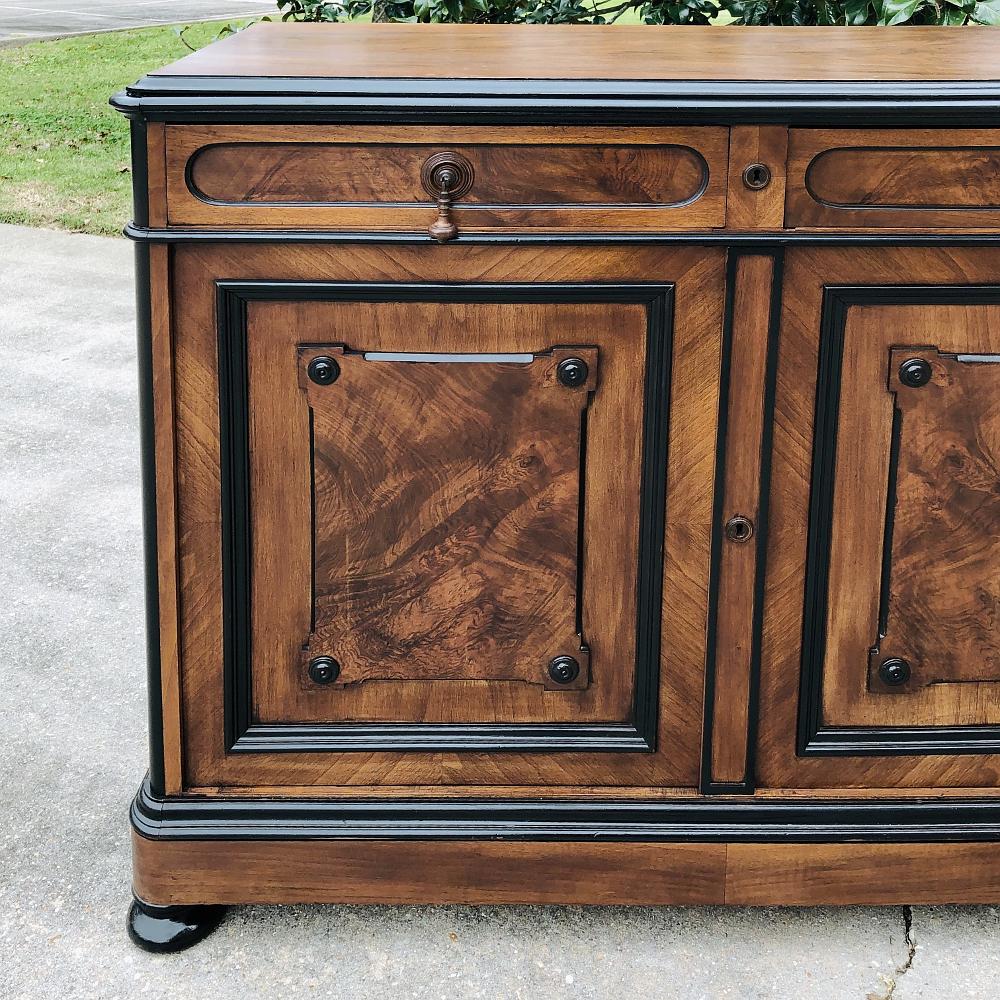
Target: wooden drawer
[(893, 179), (317, 177)]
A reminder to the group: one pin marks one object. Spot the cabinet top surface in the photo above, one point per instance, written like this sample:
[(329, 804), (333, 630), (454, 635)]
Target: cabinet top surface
[(593, 52)]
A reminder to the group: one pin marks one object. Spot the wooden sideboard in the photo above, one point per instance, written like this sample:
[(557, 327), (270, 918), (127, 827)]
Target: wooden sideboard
[(571, 467)]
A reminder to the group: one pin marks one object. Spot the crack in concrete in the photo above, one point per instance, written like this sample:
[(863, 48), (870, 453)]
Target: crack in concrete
[(891, 982)]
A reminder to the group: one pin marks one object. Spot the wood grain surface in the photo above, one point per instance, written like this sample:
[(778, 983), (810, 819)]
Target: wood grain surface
[(893, 178), (860, 485), (943, 612), (538, 872), (619, 333), (282, 612), (322, 173), (731, 700), (592, 52), (756, 209), (165, 456), (318, 176), (446, 499)]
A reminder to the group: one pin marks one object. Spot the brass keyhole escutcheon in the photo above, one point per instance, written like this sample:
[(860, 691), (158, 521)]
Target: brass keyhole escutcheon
[(739, 528), (757, 176)]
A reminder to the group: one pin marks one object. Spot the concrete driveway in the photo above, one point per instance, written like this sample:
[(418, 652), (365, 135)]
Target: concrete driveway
[(26, 20), (72, 720)]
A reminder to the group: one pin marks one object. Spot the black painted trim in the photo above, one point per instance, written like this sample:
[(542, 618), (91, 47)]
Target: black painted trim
[(689, 820), (888, 529), (147, 459), (749, 783), (140, 173), (815, 738), (283, 100), (242, 734), (718, 238)]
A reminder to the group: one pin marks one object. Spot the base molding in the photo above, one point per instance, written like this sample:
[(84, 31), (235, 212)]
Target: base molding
[(211, 851), (204, 872)]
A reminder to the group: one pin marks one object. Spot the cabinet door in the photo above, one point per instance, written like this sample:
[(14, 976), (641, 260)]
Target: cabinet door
[(886, 517), (443, 509)]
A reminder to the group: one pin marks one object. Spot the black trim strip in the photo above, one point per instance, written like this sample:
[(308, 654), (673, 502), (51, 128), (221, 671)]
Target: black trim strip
[(692, 820), (242, 734), (140, 172), (145, 234), (814, 737), (885, 583), (281, 100)]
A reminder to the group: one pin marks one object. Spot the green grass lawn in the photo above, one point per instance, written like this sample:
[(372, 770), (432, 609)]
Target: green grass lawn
[(64, 154)]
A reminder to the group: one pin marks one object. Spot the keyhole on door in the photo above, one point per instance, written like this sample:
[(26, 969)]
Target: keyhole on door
[(757, 176), (739, 529)]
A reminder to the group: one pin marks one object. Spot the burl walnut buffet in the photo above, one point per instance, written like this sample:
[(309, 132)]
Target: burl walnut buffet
[(572, 467)]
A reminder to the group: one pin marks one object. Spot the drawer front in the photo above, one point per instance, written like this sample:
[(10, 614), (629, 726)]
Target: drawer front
[(377, 178), (893, 179)]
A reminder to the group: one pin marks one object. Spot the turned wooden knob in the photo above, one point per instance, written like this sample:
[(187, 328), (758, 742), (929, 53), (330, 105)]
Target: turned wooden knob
[(446, 177)]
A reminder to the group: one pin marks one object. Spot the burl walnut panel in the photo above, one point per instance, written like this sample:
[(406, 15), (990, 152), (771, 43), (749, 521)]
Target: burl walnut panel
[(896, 178), (369, 177), (942, 550), (446, 499), (330, 173), (283, 512)]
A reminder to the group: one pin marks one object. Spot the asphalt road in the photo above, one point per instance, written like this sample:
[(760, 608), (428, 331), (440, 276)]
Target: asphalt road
[(72, 751)]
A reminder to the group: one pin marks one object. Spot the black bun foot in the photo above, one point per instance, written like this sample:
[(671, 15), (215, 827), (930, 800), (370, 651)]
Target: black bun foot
[(171, 928)]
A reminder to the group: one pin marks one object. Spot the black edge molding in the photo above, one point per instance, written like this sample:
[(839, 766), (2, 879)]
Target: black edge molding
[(242, 733), (712, 820), (814, 737), (748, 785), (144, 234), (952, 104)]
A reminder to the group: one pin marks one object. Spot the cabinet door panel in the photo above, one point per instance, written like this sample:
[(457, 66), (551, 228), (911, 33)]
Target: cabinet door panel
[(940, 593), (896, 546), (444, 528), (460, 535), (447, 492)]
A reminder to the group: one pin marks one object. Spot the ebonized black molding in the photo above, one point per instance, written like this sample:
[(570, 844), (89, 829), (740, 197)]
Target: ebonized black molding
[(144, 234), (242, 734), (140, 172), (773, 821), (815, 738), (285, 100), (748, 785)]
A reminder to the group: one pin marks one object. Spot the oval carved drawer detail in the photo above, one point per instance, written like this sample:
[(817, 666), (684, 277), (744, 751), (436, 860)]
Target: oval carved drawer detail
[(303, 177), (903, 180)]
